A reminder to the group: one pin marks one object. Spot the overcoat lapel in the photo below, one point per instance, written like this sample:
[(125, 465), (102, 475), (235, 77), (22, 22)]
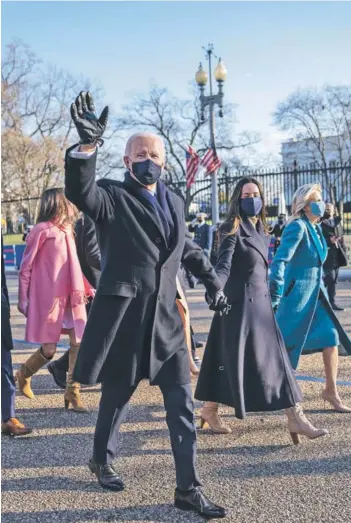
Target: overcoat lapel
[(318, 239), (151, 214), (148, 210), (255, 239), (176, 220)]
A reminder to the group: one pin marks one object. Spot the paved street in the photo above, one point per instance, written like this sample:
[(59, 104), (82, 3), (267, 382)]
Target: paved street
[(255, 472)]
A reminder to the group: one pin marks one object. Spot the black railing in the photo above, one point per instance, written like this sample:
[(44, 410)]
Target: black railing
[(279, 187)]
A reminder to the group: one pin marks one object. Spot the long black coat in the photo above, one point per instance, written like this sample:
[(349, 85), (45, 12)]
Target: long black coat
[(134, 329), (6, 333), (245, 364), (88, 250)]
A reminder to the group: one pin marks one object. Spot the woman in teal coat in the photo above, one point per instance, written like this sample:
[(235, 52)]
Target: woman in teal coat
[(305, 317)]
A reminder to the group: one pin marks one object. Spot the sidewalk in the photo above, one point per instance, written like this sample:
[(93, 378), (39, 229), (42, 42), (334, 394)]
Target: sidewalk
[(256, 472)]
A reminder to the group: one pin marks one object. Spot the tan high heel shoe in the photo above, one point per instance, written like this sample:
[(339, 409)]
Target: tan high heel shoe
[(210, 419), (300, 426), (335, 402)]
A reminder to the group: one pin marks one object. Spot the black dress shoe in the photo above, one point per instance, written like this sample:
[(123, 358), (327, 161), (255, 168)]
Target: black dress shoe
[(106, 476), (336, 307), (60, 377), (196, 501)]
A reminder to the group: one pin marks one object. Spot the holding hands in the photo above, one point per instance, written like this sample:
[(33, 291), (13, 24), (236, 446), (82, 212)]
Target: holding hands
[(218, 302)]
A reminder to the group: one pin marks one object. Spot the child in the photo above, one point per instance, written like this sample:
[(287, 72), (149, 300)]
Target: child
[(52, 291)]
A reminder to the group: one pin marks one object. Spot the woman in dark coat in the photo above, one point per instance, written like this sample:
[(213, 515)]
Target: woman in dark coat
[(245, 364)]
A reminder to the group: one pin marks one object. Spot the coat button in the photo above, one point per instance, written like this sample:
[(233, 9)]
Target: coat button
[(251, 299)]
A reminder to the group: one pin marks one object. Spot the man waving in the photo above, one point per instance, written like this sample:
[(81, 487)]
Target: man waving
[(134, 330)]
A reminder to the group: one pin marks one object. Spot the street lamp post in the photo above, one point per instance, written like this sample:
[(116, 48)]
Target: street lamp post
[(211, 100)]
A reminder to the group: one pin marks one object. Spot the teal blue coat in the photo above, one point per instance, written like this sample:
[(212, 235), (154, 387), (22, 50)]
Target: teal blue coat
[(304, 315)]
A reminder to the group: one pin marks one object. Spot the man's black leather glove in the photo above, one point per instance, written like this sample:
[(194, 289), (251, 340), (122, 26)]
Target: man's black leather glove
[(90, 128), (218, 302)]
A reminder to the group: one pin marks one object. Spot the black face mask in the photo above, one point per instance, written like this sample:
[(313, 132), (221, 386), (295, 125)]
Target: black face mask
[(281, 221), (146, 172), (327, 215)]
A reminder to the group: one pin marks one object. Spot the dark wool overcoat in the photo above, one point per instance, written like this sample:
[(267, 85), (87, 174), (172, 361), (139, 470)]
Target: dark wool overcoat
[(6, 334), (245, 364), (134, 329)]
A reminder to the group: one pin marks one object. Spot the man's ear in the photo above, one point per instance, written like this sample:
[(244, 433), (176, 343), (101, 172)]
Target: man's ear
[(126, 161)]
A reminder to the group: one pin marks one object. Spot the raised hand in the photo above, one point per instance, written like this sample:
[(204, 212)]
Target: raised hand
[(90, 128)]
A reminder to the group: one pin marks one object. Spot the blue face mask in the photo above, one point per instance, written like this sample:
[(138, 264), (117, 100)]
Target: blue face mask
[(317, 208), (251, 206)]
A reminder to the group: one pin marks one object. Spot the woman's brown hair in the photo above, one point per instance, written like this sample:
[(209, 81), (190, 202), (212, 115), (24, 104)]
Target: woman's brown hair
[(234, 217), (55, 207)]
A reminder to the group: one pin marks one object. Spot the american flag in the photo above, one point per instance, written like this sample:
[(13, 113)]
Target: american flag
[(211, 161), (192, 165)]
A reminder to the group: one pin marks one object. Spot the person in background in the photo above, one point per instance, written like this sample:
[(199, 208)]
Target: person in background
[(10, 425), (90, 262), (52, 292), (303, 311), (245, 365), (278, 230), (336, 258), (26, 232), (202, 232), (202, 237), (184, 312)]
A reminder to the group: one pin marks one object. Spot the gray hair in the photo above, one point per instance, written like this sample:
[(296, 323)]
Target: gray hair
[(143, 135), (301, 198)]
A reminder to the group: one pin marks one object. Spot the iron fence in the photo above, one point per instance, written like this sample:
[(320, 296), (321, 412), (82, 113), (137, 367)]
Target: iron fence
[(279, 187)]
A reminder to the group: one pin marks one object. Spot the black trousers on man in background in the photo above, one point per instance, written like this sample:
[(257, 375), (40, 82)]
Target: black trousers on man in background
[(330, 280)]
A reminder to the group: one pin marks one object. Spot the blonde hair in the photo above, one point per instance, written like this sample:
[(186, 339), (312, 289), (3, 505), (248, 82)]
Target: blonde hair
[(301, 198)]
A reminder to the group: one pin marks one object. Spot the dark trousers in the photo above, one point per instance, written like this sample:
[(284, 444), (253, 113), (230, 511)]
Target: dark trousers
[(8, 387), (179, 408), (330, 281)]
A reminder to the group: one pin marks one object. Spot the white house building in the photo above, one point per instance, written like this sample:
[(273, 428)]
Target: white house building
[(306, 153)]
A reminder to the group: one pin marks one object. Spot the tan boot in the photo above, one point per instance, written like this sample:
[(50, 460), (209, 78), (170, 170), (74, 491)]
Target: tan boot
[(30, 367), (72, 393), (299, 425), (210, 418)]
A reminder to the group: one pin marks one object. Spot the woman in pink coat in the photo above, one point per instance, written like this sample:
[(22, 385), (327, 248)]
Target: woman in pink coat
[(52, 291)]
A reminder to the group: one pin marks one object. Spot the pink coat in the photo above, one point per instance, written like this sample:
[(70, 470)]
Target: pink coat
[(45, 286)]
